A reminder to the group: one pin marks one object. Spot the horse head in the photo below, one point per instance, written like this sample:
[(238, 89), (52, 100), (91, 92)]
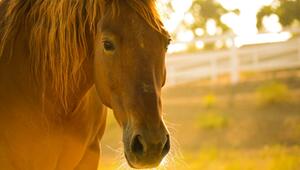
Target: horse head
[(129, 72)]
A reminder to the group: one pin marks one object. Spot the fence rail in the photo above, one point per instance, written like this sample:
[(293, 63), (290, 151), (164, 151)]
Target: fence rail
[(184, 68)]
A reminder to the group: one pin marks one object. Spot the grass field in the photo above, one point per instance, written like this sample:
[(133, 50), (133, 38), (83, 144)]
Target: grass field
[(252, 126)]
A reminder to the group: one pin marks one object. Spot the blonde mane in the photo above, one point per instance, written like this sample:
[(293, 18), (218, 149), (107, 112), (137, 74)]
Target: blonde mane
[(58, 32)]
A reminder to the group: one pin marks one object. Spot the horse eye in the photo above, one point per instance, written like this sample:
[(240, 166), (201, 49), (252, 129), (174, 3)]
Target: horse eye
[(108, 46)]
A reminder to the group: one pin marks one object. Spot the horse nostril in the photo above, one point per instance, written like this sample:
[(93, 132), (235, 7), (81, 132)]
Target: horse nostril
[(137, 146), (166, 147)]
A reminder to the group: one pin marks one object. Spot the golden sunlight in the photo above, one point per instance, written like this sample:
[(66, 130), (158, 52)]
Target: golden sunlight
[(242, 24)]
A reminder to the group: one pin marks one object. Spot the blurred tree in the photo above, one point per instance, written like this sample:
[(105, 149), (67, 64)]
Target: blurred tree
[(207, 15), (202, 19), (207, 10), (288, 11)]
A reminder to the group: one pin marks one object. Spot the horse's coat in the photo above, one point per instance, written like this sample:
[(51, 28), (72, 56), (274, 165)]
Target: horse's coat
[(61, 63)]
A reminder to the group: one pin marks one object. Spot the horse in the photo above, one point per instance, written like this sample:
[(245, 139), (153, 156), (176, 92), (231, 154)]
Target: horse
[(62, 64)]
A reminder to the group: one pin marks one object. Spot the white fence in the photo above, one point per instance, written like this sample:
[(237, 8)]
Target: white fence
[(184, 68)]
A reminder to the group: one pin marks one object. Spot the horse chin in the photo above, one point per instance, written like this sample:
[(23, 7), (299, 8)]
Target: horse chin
[(129, 163), (140, 165)]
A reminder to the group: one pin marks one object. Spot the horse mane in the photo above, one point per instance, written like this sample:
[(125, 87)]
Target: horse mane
[(59, 33)]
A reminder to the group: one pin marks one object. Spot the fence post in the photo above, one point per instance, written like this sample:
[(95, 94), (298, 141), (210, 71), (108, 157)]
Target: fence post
[(234, 75)]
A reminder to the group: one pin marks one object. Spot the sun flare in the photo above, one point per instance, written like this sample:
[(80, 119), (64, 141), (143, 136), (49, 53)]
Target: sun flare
[(243, 24)]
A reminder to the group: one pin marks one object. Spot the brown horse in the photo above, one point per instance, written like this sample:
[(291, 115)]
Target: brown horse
[(57, 57)]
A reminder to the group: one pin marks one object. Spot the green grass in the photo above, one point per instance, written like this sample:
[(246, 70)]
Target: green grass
[(211, 120), (272, 93), (267, 158), (275, 157), (215, 134), (209, 101)]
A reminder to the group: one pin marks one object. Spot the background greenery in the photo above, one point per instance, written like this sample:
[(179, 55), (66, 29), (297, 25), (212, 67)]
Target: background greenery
[(251, 126)]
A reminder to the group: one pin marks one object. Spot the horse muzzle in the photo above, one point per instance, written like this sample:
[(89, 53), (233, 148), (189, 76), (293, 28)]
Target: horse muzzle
[(146, 148)]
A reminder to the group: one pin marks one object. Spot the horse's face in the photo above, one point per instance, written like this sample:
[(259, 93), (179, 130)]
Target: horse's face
[(129, 74)]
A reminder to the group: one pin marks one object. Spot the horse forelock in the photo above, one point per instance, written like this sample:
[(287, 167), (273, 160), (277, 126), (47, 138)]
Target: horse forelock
[(147, 9)]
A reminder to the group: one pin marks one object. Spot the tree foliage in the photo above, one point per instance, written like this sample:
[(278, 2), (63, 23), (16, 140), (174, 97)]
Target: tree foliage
[(203, 10), (288, 11)]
